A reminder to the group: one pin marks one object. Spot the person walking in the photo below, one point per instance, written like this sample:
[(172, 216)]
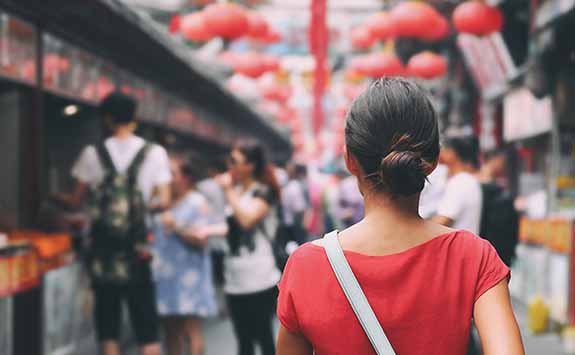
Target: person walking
[(424, 281), (250, 270), (129, 178), (182, 265), (462, 201)]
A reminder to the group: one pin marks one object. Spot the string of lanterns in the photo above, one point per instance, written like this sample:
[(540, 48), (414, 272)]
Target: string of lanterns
[(421, 21)]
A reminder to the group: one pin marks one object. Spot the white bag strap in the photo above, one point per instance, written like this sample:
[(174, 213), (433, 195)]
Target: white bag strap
[(355, 295)]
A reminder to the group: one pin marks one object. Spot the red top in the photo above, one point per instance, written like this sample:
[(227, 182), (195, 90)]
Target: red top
[(423, 297)]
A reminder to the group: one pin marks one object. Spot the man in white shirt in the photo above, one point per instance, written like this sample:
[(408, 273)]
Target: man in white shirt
[(152, 180), (460, 207)]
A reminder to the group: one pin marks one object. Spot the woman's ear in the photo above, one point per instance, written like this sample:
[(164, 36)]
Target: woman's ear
[(351, 163)]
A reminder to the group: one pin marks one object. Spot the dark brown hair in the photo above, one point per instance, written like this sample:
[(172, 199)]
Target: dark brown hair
[(391, 130), (264, 172)]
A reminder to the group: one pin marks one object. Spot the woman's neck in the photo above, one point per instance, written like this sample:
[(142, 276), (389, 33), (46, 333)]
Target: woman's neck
[(391, 209)]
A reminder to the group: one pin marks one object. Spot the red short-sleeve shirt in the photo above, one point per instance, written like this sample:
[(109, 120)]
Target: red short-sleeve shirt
[(423, 297)]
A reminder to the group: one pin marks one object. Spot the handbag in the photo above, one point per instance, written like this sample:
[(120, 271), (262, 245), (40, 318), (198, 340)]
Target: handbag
[(355, 295)]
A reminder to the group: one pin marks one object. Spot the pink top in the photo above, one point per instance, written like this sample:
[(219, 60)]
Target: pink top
[(423, 297)]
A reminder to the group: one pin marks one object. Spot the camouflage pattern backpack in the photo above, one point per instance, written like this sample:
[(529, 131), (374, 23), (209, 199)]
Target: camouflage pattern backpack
[(119, 227)]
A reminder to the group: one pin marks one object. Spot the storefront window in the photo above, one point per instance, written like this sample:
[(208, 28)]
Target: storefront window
[(17, 49)]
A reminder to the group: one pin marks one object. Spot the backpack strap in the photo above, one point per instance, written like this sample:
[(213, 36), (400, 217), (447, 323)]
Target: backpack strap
[(355, 295), (106, 159), (138, 161)]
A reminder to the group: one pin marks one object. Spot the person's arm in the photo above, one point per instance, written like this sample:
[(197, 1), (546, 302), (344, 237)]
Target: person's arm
[(293, 344), (250, 214), (75, 198), (496, 322), (247, 215), (161, 198)]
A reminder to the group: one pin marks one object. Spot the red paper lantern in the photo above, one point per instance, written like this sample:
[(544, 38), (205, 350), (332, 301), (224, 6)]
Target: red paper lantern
[(427, 65), (383, 64), (477, 18), (439, 31), (413, 19), (271, 63), (175, 23), (362, 38), (258, 26), (381, 26), (271, 37), (194, 28), (275, 92), (227, 20), (250, 64)]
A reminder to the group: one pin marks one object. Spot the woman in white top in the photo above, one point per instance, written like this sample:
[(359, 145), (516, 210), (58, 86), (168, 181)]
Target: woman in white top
[(250, 270)]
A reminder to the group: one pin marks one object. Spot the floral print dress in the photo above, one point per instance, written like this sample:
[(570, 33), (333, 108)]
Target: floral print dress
[(182, 272)]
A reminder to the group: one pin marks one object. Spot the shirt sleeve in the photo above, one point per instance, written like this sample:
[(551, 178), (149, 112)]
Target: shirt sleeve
[(492, 270), (286, 311), (87, 168), (452, 203), (162, 173)]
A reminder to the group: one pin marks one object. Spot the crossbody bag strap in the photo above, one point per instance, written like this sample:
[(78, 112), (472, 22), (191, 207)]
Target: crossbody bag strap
[(355, 295)]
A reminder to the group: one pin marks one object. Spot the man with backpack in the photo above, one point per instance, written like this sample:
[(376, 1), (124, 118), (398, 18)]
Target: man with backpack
[(128, 178)]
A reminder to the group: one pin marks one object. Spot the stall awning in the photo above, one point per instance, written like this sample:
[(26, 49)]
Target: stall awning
[(133, 41)]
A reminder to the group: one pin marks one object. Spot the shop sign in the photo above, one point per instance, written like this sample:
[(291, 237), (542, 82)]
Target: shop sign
[(550, 10), (489, 62), (526, 116)]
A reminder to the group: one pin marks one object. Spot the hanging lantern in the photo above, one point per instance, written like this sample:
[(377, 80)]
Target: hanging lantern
[(381, 26), (175, 23), (477, 18), (383, 64), (274, 92), (271, 37), (193, 28), (361, 38), (258, 26), (413, 19), (427, 65), (227, 20), (272, 63), (439, 31), (250, 64)]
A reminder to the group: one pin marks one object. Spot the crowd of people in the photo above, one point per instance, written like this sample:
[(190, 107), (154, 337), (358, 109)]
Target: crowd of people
[(167, 234)]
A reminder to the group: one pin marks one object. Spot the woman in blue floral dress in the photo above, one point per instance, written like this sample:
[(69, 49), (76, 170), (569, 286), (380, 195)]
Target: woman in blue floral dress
[(182, 266)]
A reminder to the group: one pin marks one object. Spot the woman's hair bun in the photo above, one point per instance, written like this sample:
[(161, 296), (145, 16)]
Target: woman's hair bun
[(403, 172)]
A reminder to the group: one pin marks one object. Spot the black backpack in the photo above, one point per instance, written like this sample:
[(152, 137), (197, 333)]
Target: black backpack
[(119, 226), (499, 221)]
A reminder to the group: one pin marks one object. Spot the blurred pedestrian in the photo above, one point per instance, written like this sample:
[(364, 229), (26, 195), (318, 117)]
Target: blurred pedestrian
[(129, 178), (350, 202), (424, 281), (251, 274), (499, 218), (294, 205), (182, 266), (217, 201), (460, 206)]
